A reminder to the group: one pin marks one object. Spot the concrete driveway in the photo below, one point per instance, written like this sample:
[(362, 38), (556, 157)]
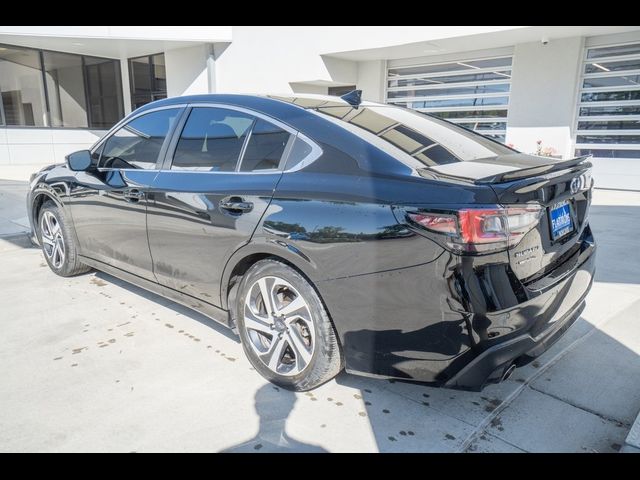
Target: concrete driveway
[(93, 364)]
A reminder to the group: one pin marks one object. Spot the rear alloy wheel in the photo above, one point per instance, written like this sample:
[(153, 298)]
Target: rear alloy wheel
[(284, 327)]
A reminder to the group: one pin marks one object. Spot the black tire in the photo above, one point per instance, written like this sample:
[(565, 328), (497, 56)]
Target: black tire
[(70, 265), (326, 360)]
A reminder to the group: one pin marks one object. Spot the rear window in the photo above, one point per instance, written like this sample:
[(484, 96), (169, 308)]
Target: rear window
[(429, 140)]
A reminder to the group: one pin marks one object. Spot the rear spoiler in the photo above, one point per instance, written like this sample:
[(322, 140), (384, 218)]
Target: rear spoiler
[(545, 168), (538, 170)]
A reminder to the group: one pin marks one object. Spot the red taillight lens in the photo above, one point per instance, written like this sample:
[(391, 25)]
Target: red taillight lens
[(435, 222), (481, 229)]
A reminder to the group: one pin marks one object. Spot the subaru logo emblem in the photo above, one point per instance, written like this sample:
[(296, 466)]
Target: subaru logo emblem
[(575, 185), (583, 182)]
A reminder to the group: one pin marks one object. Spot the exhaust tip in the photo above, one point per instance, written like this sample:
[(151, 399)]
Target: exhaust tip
[(508, 372)]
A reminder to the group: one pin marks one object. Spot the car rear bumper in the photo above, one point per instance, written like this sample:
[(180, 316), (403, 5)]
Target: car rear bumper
[(455, 324), (492, 364), (550, 314)]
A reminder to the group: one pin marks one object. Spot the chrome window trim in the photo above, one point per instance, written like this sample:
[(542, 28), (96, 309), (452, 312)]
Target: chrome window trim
[(316, 150), (129, 118), (315, 153)]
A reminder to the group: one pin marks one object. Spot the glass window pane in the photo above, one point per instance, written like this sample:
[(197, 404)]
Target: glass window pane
[(471, 113), (425, 137), (299, 152), (611, 96), (104, 91), (470, 78), (631, 49), (66, 89), (608, 139), (612, 66), (21, 87), (460, 102), (265, 148), (609, 153), (211, 140), (137, 144), (624, 81), (610, 110), (475, 90), (159, 73), (148, 79), (483, 126), (451, 67), (438, 155), (610, 125)]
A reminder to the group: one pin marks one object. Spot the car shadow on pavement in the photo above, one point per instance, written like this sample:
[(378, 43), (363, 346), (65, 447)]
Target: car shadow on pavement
[(165, 302), (274, 405), (568, 390), (20, 240)]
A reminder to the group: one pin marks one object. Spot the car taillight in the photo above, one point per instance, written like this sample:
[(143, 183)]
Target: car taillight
[(480, 229)]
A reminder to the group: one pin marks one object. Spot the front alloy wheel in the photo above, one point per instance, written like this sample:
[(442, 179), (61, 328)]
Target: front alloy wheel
[(57, 240), (52, 239)]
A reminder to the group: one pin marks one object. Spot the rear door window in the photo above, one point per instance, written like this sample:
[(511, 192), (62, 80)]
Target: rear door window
[(212, 140), (265, 147)]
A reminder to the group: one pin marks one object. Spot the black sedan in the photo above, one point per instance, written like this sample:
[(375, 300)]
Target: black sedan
[(331, 233)]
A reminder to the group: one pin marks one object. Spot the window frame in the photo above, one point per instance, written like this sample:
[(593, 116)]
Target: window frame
[(152, 92), (47, 100), (125, 121), (316, 151)]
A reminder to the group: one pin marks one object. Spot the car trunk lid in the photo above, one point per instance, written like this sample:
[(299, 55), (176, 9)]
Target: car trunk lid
[(561, 187)]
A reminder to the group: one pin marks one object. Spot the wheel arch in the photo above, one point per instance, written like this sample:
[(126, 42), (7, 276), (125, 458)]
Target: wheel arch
[(38, 198), (244, 258)]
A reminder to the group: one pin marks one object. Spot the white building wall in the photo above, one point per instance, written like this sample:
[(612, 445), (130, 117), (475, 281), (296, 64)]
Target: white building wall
[(187, 70), (371, 80), (24, 150), (543, 96)]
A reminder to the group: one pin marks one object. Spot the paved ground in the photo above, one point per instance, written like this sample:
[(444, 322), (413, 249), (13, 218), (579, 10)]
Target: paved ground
[(13, 212), (93, 364)]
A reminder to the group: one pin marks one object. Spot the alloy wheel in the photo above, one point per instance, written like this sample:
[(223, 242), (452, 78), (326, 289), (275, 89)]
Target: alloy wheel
[(279, 325), (52, 239)]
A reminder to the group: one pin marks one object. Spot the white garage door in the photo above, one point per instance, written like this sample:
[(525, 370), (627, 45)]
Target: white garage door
[(608, 124), (473, 93)]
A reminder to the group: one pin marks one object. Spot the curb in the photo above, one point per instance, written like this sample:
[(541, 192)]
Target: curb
[(632, 443)]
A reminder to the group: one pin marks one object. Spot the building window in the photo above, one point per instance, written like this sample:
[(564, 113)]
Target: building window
[(21, 87), (54, 89), (471, 93), (148, 79), (608, 124), (104, 91), (339, 91)]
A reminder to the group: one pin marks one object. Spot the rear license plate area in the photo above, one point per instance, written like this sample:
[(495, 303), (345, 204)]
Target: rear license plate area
[(560, 220)]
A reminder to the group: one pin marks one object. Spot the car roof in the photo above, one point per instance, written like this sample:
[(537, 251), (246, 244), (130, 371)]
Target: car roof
[(258, 101)]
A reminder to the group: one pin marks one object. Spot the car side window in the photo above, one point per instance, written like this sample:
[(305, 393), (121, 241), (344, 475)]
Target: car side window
[(265, 147), (212, 140), (138, 143)]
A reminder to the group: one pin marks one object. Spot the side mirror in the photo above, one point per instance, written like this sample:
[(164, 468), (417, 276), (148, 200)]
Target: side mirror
[(79, 161)]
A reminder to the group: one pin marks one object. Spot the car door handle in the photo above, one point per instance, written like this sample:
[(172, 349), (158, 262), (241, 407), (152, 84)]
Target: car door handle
[(133, 195), (235, 205)]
